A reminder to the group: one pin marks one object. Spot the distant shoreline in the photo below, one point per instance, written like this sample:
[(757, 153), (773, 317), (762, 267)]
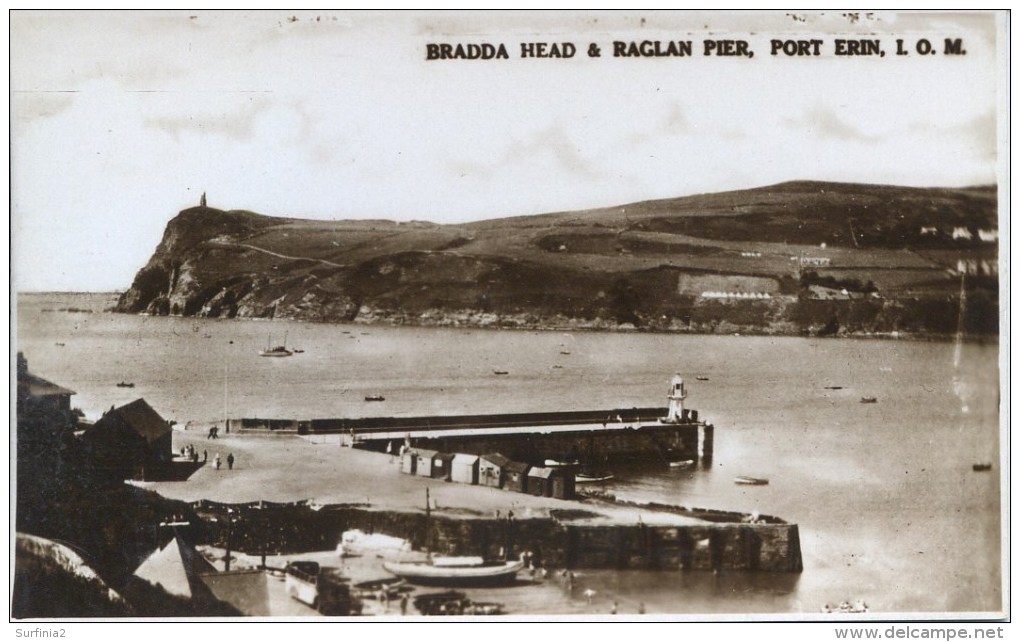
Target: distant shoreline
[(455, 322)]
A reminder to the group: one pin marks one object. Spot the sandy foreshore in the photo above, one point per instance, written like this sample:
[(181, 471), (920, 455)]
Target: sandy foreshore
[(287, 468)]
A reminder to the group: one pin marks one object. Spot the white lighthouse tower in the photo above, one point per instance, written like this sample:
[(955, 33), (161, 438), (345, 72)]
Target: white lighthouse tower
[(677, 394)]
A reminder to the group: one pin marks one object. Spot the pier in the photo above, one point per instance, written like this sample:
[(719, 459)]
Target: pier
[(586, 436)]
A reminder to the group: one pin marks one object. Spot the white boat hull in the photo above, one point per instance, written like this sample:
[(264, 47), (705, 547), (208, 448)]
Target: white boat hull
[(476, 575)]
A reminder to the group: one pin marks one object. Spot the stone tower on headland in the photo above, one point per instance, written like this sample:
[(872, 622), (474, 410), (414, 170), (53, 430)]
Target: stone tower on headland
[(201, 203)]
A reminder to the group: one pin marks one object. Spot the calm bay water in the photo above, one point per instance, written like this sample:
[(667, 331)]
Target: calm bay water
[(889, 508)]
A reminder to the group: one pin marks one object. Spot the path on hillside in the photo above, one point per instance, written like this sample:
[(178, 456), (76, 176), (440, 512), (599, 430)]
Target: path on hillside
[(276, 254)]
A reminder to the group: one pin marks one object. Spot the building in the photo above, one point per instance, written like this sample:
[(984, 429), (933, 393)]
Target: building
[(540, 481), (962, 233), (491, 470), (41, 400), (408, 462), (464, 469), (515, 477), (442, 465), (976, 267), (423, 463), (131, 442), (563, 484), (988, 236), (176, 566), (815, 261)]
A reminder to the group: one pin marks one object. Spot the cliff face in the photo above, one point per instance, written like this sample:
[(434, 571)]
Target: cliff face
[(748, 261)]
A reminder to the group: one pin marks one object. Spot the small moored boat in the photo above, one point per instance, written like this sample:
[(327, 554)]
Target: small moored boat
[(456, 571), (125, 384), (869, 399), (685, 463), (556, 463), (750, 481), (277, 351), (982, 467), (592, 478), (375, 398), (500, 372)]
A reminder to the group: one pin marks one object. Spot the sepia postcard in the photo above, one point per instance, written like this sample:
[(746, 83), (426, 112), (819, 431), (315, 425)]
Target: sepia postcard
[(507, 316)]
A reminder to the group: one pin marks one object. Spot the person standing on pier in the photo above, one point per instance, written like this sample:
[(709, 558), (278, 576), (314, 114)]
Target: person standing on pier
[(216, 461), (230, 461)]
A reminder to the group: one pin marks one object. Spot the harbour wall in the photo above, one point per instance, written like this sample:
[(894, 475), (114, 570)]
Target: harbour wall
[(588, 437), (645, 444), (566, 540)]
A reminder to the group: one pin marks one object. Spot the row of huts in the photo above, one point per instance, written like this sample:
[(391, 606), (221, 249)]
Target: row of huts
[(492, 470)]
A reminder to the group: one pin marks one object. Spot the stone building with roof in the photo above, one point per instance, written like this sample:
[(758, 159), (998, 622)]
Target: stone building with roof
[(131, 442)]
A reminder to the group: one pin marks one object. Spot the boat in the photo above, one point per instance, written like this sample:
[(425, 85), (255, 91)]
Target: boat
[(500, 372), (833, 387), (685, 463), (296, 351), (555, 463), (869, 399), (375, 398), (356, 542), (591, 478), (456, 571), (978, 468), (564, 352), (125, 384), (701, 378), (750, 481), (277, 351)]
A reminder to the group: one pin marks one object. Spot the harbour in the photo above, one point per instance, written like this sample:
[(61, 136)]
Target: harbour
[(867, 505)]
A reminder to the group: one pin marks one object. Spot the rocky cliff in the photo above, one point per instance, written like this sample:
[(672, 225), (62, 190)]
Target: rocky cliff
[(793, 258)]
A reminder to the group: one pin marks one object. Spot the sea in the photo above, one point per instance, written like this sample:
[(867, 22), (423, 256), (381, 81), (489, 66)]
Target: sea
[(890, 510)]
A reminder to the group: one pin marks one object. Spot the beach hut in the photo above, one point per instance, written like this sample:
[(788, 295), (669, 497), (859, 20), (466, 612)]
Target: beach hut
[(540, 481), (423, 465), (409, 462), (491, 470), (515, 477), (441, 465), (464, 469), (562, 484)]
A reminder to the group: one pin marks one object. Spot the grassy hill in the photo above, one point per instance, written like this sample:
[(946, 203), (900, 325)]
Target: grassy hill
[(867, 254)]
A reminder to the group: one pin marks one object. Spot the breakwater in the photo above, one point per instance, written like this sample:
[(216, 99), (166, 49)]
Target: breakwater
[(587, 437), (565, 539)]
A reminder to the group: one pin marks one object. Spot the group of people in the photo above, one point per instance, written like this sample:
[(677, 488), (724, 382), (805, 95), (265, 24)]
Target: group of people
[(230, 461), (191, 454)]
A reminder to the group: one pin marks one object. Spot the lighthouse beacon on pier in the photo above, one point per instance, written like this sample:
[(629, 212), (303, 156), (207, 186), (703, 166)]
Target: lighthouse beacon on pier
[(677, 394)]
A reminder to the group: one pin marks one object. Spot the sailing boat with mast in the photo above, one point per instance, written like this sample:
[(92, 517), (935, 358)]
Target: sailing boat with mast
[(454, 571), (276, 351)]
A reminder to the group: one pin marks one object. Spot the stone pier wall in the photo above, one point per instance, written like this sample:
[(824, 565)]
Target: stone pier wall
[(554, 543)]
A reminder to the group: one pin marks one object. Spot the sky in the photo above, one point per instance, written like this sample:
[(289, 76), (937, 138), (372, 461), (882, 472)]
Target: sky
[(119, 119)]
